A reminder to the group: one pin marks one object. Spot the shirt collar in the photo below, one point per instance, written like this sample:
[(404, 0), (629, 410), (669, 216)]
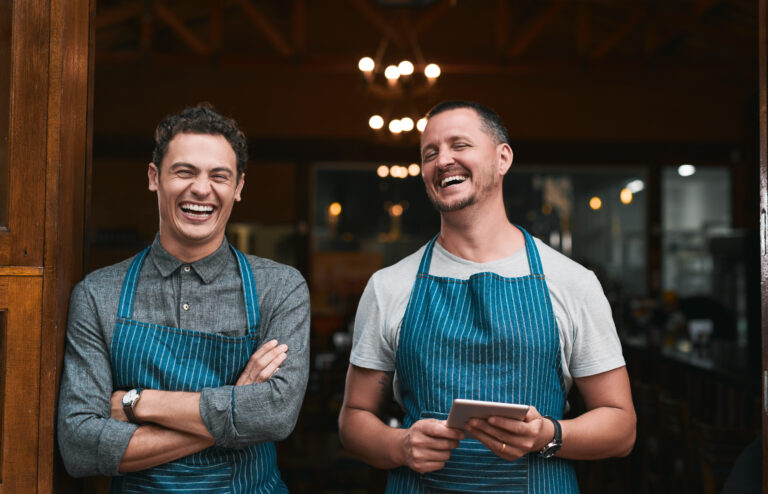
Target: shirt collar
[(208, 268)]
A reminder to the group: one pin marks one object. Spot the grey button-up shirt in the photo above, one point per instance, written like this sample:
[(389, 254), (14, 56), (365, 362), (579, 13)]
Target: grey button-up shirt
[(205, 295)]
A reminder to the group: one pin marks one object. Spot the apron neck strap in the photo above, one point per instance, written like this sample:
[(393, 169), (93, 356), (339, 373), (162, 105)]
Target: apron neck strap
[(249, 290), (127, 296), (534, 261), (426, 259)]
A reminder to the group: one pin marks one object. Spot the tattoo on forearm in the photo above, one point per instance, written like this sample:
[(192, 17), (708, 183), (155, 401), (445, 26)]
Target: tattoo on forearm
[(385, 388)]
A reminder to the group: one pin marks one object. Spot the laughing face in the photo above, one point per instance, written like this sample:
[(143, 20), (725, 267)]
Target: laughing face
[(461, 163), (196, 186)]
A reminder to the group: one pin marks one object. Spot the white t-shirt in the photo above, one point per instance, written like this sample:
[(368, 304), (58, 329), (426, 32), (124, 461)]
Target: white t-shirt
[(588, 341)]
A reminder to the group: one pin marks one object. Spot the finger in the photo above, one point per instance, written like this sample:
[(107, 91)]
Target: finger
[(504, 449), (265, 348), (438, 429), (263, 359), (271, 368), (429, 466)]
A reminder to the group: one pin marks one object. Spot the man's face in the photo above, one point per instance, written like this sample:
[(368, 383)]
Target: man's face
[(461, 164), (196, 186)]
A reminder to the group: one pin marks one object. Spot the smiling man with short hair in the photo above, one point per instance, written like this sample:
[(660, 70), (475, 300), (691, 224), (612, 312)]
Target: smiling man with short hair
[(170, 379), (486, 312)]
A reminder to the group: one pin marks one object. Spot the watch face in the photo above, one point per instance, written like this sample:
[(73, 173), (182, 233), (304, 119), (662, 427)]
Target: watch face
[(129, 397)]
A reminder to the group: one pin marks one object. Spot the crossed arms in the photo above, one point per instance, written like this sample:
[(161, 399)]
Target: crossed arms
[(95, 438), (606, 429)]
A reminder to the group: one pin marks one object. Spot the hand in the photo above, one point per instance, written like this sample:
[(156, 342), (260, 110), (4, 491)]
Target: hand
[(263, 363), (116, 406), (509, 438), (428, 443)]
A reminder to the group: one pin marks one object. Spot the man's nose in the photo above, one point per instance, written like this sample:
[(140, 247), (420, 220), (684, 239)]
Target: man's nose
[(201, 186), (444, 158)]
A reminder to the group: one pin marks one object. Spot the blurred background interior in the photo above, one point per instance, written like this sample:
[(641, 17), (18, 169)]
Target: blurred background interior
[(635, 129)]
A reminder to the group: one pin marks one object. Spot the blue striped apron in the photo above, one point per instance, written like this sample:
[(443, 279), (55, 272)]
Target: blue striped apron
[(152, 356), (486, 338)]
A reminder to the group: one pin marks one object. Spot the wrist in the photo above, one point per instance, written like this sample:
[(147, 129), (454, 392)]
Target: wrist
[(553, 445)]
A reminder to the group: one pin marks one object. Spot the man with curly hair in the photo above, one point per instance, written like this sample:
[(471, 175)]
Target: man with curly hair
[(170, 379)]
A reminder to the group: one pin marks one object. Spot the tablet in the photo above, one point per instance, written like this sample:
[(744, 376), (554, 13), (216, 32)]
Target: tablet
[(463, 410)]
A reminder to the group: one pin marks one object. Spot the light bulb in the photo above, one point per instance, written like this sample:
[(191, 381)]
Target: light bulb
[(366, 64), (376, 122)]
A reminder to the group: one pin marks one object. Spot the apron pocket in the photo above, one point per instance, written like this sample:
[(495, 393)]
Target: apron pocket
[(474, 468), (180, 477)]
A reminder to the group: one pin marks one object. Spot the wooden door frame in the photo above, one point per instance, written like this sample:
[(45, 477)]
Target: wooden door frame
[(763, 65), (41, 250)]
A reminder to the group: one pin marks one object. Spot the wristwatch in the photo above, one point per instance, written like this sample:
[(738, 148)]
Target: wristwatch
[(129, 401), (552, 447)]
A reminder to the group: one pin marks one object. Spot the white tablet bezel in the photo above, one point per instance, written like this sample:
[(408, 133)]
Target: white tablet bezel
[(462, 410)]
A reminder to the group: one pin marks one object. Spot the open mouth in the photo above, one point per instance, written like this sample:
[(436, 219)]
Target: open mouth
[(452, 180), (197, 210)]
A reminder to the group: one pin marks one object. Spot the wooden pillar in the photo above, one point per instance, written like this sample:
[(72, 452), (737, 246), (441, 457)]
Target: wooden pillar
[(763, 53), (41, 240)]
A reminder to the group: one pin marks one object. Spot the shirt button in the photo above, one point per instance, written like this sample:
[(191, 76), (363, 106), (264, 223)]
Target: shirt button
[(186, 306), (186, 269)]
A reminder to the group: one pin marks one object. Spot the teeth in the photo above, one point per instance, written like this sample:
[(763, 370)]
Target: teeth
[(452, 179), (197, 208)]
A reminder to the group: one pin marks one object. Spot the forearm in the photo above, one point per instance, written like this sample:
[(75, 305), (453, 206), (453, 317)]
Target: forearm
[(364, 434), (239, 416), (153, 445), (603, 432), (177, 410)]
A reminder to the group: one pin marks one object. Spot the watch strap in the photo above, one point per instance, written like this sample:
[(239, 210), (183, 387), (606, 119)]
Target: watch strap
[(554, 445), (128, 407)]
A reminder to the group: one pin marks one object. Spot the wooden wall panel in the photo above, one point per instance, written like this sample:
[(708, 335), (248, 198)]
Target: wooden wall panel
[(22, 244), (21, 301)]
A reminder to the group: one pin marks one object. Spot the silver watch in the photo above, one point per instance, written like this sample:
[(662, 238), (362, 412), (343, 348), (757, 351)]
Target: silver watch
[(552, 447), (129, 402)]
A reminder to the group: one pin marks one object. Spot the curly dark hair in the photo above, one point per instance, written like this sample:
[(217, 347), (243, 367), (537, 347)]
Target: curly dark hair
[(491, 121), (200, 119)]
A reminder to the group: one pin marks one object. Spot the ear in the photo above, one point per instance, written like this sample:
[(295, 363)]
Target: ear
[(154, 176), (239, 187), (505, 156)]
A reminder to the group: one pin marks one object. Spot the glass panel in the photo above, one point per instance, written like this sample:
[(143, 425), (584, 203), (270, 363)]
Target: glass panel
[(703, 257), (5, 96), (357, 211)]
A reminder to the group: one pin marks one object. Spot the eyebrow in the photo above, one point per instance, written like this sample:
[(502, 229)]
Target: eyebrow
[(451, 139), (184, 164)]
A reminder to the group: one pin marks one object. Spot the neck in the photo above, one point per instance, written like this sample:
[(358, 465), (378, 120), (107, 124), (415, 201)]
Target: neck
[(188, 252), (480, 234)]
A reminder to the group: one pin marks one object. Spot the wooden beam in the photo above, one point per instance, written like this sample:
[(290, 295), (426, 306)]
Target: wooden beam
[(683, 25), (215, 25), (116, 15), (536, 27), (502, 25), (270, 33), (433, 14), (165, 14), (582, 29), (299, 25), (618, 35), (375, 17)]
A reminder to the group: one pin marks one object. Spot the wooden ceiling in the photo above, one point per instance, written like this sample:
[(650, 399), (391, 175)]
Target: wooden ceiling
[(463, 36)]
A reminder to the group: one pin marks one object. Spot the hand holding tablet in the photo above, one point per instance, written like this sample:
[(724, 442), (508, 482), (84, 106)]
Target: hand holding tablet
[(462, 410)]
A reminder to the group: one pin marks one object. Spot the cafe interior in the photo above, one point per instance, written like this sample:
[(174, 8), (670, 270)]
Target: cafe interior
[(635, 131)]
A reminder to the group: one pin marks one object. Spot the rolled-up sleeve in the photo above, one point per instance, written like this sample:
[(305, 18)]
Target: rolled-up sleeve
[(90, 442), (239, 416)]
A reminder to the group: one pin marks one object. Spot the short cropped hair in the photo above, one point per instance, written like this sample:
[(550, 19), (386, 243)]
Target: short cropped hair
[(200, 119), (491, 122)]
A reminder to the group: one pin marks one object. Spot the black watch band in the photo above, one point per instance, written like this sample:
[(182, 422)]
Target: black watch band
[(549, 450)]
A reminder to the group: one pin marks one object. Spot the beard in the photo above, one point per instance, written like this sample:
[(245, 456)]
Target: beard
[(447, 207)]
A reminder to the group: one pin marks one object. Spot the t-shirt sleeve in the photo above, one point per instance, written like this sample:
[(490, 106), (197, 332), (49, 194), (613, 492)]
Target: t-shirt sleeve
[(596, 346), (372, 344)]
